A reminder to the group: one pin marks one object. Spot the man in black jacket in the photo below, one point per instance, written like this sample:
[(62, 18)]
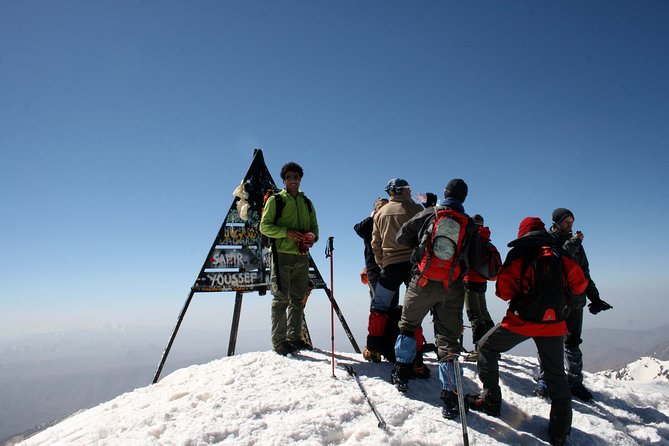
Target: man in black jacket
[(425, 296), (572, 244), (364, 230)]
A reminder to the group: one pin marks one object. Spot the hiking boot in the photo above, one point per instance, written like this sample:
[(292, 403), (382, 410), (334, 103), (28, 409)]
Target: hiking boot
[(284, 348), (418, 368), (541, 390), (475, 402), (557, 440), (429, 347), (471, 356), (371, 355), (451, 408), (300, 345), (580, 392), (400, 382), (420, 371)]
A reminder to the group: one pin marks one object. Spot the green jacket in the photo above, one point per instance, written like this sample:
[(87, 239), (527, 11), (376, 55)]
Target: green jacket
[(295, 215)]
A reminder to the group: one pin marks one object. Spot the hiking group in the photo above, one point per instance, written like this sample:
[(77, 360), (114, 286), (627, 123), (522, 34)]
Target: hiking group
[(445, 259)]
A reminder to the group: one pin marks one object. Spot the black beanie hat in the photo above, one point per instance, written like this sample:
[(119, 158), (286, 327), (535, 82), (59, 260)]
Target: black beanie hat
[(560, 214), (478, 219), (456, 188)]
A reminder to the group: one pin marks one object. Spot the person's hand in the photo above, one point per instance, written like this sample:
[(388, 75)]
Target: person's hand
[(309, 239), (363, 276), (598, 305), (295, 234), (306, 296), (579, 235), (305, 242)]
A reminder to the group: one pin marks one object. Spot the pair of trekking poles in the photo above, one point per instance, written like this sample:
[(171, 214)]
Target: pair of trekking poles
[(329, 253)]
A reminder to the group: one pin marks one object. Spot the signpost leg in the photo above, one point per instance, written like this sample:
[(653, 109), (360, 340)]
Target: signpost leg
[(174, 335), (235, 323), (337, 310)]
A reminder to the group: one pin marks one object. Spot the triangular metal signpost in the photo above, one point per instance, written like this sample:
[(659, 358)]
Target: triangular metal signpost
[(238, 261)]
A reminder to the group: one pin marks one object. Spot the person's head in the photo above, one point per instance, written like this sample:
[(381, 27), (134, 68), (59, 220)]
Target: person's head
[(531, 226), (563, 219), (456, 189), (379, 203), (291, 174), (531, 233), (478, 219), (397, 187), (293, 168)]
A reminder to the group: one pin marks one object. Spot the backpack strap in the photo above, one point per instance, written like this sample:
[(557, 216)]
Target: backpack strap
[(280, 204), (307, 201), (422, 281)]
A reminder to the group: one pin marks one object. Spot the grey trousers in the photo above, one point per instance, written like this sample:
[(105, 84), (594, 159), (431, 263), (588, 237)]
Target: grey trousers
[(446, 309), (292, 272)]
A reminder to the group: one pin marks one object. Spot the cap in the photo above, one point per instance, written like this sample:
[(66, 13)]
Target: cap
[(456, 188), (560, 214), (395, 186)]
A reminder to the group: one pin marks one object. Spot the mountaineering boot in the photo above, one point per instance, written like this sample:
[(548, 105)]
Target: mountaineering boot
[(472, 356), (400, 383), (429, 347), (557, 439), (475, 402), (300, 345), (284, 348), (580, 392), (541, 389), (451, 408), (400, 376), (371, 356), (419, 369)]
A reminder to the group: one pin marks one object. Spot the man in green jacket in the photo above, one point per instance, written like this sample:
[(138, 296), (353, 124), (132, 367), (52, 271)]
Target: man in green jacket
[(294, 232)]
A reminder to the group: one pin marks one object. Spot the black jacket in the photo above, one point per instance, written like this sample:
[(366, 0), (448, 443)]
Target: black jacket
[(364, 230), (573, 248)]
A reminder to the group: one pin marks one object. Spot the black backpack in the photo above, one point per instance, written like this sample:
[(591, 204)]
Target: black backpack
[(547, 299), (491, 262)]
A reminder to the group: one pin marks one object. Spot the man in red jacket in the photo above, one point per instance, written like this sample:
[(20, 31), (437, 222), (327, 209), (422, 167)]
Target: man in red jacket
[(533, 272)]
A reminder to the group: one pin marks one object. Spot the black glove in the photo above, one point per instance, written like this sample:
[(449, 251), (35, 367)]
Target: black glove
[(598, 305)]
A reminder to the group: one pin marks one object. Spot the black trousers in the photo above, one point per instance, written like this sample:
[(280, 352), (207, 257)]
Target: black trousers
[(551, 354), (572, 344)]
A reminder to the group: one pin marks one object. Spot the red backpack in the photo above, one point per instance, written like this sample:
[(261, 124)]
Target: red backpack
[(440, 261)]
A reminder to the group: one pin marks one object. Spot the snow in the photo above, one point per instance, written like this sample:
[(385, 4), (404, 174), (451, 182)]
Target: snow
[(261, 398)]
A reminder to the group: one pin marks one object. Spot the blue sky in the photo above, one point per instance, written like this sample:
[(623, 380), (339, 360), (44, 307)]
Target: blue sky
[(125, 126)]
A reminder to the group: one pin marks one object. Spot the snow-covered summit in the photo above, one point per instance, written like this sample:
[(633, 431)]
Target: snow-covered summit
[(263, 398), (643, 369)]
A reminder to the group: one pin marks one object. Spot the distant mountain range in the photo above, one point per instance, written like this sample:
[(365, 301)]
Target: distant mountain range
[(606, 349), (49, 376), (643, 369)]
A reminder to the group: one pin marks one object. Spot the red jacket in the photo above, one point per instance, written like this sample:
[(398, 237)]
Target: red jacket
[(508, 287), (473, 276)]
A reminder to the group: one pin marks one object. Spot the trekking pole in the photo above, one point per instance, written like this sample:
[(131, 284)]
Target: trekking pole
[(329, 252), (351, 371), (461, 401)]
